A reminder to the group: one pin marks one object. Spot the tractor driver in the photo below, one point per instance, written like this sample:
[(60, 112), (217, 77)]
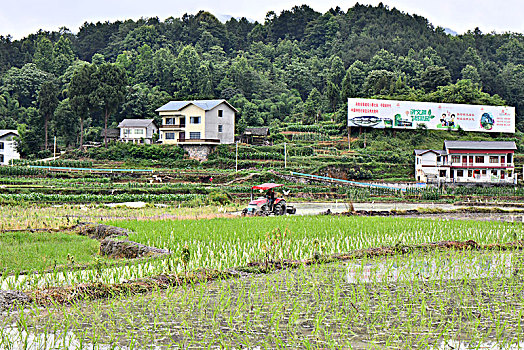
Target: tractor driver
[(271, 198)]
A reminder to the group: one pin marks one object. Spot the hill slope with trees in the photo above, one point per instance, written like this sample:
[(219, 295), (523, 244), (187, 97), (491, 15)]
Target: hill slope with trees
[(295, 67)]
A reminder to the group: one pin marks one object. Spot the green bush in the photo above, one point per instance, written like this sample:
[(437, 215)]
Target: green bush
[(120, 151)]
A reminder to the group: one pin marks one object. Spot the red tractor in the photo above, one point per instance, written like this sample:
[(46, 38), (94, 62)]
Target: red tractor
[(267, 204)]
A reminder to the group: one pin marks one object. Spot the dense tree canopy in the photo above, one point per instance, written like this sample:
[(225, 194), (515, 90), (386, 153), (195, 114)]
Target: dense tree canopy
[(296, 66)]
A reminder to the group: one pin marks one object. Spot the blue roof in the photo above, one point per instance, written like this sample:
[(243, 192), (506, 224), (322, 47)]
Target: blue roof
[(204, 104)]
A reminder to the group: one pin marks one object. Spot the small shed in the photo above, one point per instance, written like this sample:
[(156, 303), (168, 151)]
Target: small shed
[(255, 136), (112, 134)]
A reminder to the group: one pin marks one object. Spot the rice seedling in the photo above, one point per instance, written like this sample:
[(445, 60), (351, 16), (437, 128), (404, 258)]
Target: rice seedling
[(413, 299), (315, 306)]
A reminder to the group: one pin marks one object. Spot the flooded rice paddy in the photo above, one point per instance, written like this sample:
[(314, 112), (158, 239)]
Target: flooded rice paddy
[(441, 300)]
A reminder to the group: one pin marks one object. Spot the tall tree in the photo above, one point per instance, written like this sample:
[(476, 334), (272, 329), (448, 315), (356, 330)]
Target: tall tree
[(111, 83), (66, 122), (312, 106), (63, 55), (80, 91), (43, 57), (24, 83), (47, 103)]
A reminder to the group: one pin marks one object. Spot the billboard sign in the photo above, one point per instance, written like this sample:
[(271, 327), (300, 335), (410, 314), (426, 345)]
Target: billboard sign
[(390, 114)]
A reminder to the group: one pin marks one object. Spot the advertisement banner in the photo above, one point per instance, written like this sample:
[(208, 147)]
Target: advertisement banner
[(390, 114)]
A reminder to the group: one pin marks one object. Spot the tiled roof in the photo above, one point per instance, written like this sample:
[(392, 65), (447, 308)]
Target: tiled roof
[(204, 104), (420, 152), (111, 133), (479, 145), (257, 131), (7, 132), (136, 123)]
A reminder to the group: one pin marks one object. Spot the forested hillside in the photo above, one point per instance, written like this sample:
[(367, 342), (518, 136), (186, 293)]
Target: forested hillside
[(297, 66)]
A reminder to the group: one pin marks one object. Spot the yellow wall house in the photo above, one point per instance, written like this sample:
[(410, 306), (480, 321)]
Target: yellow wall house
[(197, 122)]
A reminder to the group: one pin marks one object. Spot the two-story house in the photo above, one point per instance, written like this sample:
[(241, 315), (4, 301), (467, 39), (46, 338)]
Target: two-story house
[(137, 130), (467, 162), (8, 146), (197, 122)]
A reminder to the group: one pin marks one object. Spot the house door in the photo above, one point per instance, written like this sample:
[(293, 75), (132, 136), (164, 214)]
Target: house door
[(182, 136)]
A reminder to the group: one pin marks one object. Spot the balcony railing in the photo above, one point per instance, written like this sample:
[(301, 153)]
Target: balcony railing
[(174, 126)]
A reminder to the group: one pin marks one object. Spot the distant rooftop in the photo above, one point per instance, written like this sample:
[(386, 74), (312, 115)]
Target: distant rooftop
[(420, 152), (7, 132), (204, 104), (476, 145), (257, 131), (135, 123)]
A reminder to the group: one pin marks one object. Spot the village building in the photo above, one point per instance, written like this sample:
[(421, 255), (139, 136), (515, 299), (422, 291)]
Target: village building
[(255, 136), (112, 135), (138, 131), (461, 162), (8, 146), (201, 122)]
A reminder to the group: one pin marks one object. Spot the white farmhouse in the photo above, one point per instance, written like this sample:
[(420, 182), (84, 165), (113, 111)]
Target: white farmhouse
[(137, 130), (484, 162), (203, 122), (8, 146)]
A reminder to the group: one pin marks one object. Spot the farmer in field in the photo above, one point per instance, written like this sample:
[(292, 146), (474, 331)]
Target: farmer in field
[(271, 198)]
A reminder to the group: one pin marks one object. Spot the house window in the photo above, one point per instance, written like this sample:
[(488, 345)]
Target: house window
[(455, 159), (139, 131), (220, 113), (443, 173), (509, 158), (495, 172), (194, 135), (484, 172), (493, 159), (1, 145), (464, 159), (170, 121), (479, 159), (220, 127), (195, 120), (503, 159), (470, 173), (1, 159), (169, 135), (460, 173)]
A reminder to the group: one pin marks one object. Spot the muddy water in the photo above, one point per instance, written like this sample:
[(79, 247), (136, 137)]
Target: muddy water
[(310, 208), (16, 338), (356, 304)]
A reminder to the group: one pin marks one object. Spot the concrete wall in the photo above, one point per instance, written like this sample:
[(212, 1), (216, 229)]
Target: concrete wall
[(425, 164), (9, 150), (227, 121), (200, 152)]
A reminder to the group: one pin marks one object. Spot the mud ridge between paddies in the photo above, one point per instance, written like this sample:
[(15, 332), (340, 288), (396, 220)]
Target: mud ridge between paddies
[(92, 291)]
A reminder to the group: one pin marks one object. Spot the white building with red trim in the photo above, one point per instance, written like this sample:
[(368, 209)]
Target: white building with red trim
[(467, 162)]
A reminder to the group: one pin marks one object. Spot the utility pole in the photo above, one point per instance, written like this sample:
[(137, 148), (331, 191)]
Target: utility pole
[(54, 148), (236, 157), (285, 155)]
